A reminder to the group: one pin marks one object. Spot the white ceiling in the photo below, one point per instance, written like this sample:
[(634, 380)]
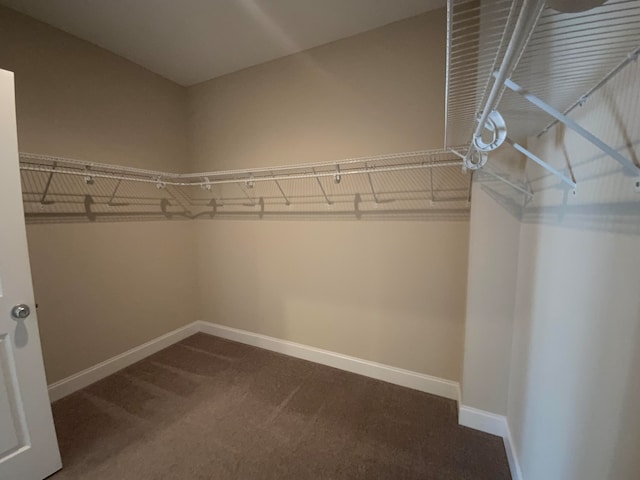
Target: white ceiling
[(189, 41)]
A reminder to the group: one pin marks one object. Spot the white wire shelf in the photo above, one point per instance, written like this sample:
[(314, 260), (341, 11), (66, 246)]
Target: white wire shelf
[(423, 184), (477, 37), (532, 65), (569, 54)]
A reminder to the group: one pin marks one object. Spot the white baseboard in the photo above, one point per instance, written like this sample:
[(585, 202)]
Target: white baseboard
[(86, 377), (483, 421), (468, 416), (397, 376), (495, 425), (514, 464)]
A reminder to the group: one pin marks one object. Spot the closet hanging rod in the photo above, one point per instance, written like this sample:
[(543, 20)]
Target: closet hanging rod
[(90, 166), (333, 164), (160, 179), (104, 169)]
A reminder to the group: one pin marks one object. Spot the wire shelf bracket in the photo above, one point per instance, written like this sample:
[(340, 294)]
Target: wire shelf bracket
[(561, 56), (629, 166)]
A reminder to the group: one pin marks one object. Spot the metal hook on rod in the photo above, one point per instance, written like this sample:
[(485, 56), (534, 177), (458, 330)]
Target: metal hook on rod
[(250, 182), (206, 185), (88, 179)]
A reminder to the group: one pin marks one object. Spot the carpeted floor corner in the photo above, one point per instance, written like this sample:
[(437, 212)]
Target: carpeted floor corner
[(207, 408)]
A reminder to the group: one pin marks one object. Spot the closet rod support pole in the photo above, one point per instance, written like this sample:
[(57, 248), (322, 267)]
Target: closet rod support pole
[(628, 164)]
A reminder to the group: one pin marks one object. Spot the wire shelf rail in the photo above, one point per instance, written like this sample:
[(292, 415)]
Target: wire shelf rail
[(422, 184)]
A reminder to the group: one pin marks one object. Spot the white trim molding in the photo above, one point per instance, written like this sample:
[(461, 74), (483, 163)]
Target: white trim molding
[(514, 464), (467, 416), (496, 425), (398, 376), (86, 377), (483, 421)]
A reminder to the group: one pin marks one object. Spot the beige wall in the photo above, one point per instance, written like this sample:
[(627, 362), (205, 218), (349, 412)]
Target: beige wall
[(491, 293), (102, 288), (392, 292), (575, 382), (378, 92), (77, 100)]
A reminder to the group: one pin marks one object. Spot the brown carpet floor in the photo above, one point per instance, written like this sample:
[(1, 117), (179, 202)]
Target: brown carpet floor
[(208, 408)]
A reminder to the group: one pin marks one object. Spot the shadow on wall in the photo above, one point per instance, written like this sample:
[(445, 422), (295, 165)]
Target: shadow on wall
[(607, 198)]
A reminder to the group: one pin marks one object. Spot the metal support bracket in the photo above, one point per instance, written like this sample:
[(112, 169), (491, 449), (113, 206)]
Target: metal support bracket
[(249, 197), (376, 200), (322, 188), (43, 199), (286, 200), (542, 163), (112, 202), (628, 164)]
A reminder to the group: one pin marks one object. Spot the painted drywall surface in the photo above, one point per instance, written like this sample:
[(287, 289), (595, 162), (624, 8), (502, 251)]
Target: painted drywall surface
[(102, 288), (378, 92), (390, 292), (77, 100), (491, 292), (575, 383), (387, 291)]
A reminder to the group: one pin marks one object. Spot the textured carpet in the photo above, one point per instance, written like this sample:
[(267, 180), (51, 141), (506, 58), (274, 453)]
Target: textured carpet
[(207, 408)]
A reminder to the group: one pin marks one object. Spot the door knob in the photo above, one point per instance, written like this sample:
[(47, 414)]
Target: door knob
[(20, 311)]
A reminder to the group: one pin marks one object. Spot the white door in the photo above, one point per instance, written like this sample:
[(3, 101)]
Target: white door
[(28, 445)]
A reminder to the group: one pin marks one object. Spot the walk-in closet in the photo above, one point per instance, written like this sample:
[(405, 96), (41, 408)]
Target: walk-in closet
[(293, 239)]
